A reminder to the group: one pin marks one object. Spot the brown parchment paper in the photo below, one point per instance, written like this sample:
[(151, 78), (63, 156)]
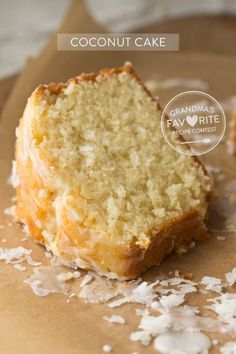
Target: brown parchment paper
[(36, 325)]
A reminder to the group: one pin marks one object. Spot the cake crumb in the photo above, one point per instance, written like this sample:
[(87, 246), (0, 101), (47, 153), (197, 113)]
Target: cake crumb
[(187, 276)]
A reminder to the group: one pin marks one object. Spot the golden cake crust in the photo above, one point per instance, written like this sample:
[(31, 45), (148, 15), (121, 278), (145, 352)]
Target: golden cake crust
[(34, 206)]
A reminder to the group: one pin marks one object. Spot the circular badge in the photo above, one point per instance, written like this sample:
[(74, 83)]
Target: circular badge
[(193, 123)]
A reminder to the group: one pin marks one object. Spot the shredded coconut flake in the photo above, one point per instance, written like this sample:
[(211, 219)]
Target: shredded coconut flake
[(182, 343), (45, 281), (106, 348), (31, 262), (212, 283), (228, 348), (143, 294), (87, 278), (14, 179), (231, 277), (19, 267), (172, 300), (10, 255), (114, 319), (26, 229), (142, 336), (225, 306), (64, 276), (10, 211), (100, 290)]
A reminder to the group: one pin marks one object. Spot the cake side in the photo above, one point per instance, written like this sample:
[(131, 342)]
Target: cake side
[(79, 234)]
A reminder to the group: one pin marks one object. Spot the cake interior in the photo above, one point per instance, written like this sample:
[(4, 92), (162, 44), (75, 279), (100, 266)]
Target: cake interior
[(103, 139)]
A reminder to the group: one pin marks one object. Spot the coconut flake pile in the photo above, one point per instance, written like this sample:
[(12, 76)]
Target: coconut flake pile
[(166, 316), (166, 320)]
